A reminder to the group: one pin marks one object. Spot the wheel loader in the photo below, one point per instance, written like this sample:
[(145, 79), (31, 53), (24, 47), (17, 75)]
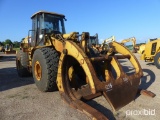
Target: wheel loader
[(67, 62), (152, 52), (141, 48), (9, 49)]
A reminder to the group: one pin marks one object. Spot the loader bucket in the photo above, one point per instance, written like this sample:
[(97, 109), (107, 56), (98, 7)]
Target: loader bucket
[(81, 78)]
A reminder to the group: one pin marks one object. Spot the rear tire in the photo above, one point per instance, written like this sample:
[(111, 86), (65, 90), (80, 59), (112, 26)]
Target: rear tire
[(157, 60), (22, 64), (44, 69)]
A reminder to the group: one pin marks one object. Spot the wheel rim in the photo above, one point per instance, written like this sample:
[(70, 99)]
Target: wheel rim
[(38, 71)]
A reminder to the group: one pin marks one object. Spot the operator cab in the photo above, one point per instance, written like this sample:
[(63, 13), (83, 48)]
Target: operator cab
[(93, 40), (46, 23)]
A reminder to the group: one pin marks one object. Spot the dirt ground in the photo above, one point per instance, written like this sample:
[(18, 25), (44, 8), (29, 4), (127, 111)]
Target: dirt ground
[(21, 100)]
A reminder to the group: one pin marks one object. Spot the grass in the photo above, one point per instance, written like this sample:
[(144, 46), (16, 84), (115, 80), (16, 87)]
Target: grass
[(17, 49)]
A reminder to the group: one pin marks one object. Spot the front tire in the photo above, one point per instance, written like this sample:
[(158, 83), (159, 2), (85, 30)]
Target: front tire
[(44, 69)]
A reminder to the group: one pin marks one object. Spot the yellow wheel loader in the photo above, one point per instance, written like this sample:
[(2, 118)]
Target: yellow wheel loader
[(152, 52), (141, 48), (9, 49), (69, 63)]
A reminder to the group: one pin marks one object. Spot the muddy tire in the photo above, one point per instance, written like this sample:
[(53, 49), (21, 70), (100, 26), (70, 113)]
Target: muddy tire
[(22, 64), (157, 60), (44, 69)]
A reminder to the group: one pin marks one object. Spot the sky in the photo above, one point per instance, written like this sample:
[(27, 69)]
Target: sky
[(121, 18)]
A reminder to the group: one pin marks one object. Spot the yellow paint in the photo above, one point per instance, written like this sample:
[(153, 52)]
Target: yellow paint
[(79, 55), (148, 50)]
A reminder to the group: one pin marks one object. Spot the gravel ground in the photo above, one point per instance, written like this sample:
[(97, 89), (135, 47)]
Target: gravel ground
[(21, 100)]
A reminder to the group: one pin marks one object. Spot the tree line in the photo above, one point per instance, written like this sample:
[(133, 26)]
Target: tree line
[(15, 44)]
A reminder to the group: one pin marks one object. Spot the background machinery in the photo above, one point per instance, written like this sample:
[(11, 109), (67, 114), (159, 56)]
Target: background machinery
[(152, 52), (141, 48), (68, 62), (133, 40), (2, 49), (108, 40), (9, 49), (105, 43)]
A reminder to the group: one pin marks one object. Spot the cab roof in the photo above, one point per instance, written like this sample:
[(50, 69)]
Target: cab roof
[(52, 13)]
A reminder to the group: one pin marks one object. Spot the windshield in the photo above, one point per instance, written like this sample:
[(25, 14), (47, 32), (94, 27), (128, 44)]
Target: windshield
[(53, 23), (93, 40)]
